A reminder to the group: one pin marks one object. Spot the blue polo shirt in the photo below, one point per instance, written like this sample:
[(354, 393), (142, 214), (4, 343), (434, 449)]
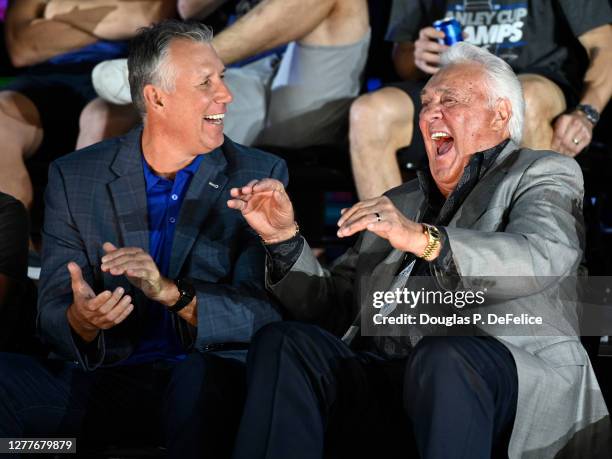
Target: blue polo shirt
[(159, 340)]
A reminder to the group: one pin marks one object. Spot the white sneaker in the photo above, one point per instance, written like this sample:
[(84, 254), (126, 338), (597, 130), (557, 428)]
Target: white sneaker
[(110, 80)]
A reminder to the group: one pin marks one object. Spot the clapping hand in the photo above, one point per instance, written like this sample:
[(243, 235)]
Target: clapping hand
[(89, 313)]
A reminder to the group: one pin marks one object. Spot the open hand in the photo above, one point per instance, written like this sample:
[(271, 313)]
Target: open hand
[(89, 312), (267, 209), (380, 216)]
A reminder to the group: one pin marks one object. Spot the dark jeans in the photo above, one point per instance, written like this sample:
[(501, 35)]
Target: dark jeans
[(194, 405), (309, 395)]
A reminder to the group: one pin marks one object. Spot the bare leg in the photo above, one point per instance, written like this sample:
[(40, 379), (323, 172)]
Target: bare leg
[(544, 101), (346, 23), (21, 133), (275, 22), (380, 124), (101, 120)]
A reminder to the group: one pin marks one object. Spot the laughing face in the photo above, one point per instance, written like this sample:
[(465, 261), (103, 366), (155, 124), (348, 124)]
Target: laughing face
[(195, 108), (457, 121)]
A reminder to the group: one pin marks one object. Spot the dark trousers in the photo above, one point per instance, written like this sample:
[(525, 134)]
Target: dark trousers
[(309, 396), (194, 405)]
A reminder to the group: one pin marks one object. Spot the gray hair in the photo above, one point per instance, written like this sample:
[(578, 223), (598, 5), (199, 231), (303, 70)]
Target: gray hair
[(502, 81), (147, 63)]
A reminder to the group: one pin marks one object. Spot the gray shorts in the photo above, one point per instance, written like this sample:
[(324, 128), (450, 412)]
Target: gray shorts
[(299, 100)]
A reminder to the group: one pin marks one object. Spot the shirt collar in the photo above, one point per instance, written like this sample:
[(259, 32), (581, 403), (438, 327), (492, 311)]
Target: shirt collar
[(152, 179), (482, 160)]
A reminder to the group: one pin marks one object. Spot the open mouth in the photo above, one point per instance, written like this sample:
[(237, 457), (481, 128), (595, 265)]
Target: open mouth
[(214, 119), (443, 141)]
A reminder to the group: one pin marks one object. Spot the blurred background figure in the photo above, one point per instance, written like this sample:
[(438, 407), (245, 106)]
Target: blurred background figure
[(56, 44), (17, 294)]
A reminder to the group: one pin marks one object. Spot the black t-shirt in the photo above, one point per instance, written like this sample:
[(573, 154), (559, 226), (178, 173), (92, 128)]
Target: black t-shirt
[(539, 36), (14, 235)]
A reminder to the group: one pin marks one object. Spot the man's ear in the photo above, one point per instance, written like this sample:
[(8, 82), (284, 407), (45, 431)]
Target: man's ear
[(503, 112), (154, 97)]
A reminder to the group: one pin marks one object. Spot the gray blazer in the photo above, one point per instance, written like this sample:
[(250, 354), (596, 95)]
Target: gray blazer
[(523, 218)]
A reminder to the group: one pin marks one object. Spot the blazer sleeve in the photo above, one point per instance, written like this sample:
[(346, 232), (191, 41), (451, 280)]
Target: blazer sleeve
[(310, 293), (234, 311), (62, 243), (541, 237)]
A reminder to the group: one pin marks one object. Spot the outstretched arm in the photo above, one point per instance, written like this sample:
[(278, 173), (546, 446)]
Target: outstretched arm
[(273, 23), (306, 290)]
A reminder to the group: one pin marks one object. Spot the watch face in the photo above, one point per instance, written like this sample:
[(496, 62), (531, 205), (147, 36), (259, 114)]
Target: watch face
[(591, 114), (185, 287), (186, 292)]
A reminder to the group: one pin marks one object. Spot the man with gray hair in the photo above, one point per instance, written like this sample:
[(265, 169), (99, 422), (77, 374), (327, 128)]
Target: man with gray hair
[(150, 287), (486, 210)]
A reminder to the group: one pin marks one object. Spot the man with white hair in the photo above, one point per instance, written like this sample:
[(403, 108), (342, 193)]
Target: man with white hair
[(485, 208)]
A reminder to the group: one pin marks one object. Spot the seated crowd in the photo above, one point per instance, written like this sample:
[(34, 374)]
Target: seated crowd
[(178, 300)]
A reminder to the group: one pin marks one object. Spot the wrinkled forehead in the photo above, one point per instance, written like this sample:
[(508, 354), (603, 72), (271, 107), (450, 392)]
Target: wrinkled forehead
[(462, 79)]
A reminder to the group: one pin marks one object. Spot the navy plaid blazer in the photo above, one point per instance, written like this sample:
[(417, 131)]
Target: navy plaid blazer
[(98, 194)]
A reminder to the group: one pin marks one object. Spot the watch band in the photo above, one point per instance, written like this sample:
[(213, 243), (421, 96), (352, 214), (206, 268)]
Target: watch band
[(590, 112), (433, 236), (187, 293)]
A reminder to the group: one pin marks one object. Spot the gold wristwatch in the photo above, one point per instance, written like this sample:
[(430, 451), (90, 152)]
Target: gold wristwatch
[(433, 241)]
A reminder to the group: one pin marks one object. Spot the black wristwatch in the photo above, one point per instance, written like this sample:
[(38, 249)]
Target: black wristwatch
[(186, 291), (590, 112)]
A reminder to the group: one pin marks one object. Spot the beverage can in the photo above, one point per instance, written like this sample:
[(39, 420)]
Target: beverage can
[(451, 29)]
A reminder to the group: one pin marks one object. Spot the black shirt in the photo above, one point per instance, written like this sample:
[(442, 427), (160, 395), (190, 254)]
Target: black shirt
[(14, 234), (17, 310)]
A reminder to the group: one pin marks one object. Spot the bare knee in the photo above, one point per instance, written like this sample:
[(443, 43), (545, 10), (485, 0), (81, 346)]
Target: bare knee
[(20, 123), (544, 100), (95, 116), (18, 107), (386, 115), (100, 120)]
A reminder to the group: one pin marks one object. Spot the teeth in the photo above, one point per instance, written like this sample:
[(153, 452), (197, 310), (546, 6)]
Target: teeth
[(220, 116), (439, 135)]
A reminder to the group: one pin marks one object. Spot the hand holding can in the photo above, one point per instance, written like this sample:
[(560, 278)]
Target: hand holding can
[(451, 29)]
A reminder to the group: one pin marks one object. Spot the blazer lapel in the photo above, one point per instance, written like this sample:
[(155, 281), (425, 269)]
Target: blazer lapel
[(207, 185), (129, 193), (478, 200)]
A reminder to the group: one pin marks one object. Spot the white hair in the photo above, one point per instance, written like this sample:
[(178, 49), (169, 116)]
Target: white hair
[(502, 81)]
